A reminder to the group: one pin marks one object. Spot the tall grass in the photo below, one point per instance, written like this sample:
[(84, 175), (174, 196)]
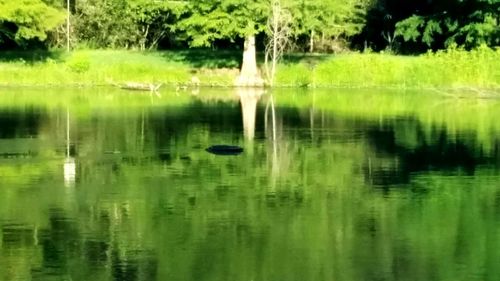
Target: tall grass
[(451, 68), (107, 67)]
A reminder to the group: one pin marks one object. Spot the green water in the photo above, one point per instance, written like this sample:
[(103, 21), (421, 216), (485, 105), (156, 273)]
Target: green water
[(332, 185)]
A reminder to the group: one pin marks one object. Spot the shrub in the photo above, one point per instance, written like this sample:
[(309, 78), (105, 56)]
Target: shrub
[(297, 75), (78, 62)]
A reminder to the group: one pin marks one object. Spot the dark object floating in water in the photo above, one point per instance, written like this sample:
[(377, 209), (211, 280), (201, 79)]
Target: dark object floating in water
[(225, 149)]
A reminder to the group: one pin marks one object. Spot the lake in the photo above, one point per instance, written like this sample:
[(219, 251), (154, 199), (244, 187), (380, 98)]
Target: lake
[(104, 184)]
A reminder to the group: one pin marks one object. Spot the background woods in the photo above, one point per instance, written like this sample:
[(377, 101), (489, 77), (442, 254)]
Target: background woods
[(325, 26)]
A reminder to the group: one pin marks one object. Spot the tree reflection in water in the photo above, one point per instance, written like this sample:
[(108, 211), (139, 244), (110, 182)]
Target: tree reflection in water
[(323, 194)]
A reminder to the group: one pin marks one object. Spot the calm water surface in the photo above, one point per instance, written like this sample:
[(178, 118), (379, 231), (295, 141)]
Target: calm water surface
[(352, 185)]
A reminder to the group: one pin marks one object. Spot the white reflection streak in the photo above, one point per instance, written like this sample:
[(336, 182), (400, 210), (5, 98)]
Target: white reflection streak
[(275, 169), (69, 162), (69, 171), (275, 163), (248, 100)]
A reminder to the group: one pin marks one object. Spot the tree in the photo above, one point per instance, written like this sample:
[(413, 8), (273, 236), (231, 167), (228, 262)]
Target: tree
[(155, 20), (332, 19), (420, 25), (138, 24), (210, 20), (443, 23), (105, 24), (25, 20), (279, 33)]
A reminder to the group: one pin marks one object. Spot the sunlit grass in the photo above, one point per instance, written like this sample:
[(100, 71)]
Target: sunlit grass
[(92, 68), (445, 69)]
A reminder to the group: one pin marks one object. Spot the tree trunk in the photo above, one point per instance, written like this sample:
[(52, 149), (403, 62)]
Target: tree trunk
[(67, 26), (249, 75), (276, 18)]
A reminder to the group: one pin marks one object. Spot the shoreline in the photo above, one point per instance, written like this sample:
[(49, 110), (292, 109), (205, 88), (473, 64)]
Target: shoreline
[(444, 70)]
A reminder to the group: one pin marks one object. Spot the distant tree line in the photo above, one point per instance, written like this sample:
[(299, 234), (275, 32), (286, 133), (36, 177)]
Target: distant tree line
[(316, 25)]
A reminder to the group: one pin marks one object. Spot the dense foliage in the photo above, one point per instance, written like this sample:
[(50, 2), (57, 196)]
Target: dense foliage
[(417, 25), (124, 24), (332, 25), (210, 20), (468, 23), (25, 20)]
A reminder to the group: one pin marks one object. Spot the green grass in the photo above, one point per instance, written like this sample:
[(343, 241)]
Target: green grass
[(91, 68), (445, 69)]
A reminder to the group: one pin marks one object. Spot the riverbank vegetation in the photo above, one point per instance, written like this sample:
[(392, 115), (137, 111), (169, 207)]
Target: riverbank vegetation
[(360, 43), (453, 68)]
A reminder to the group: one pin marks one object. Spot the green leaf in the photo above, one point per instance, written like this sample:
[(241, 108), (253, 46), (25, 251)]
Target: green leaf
[(410, 28)]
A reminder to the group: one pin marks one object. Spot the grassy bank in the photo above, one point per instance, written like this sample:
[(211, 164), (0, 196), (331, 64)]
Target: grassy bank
[(446, 69), (94, 68)]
